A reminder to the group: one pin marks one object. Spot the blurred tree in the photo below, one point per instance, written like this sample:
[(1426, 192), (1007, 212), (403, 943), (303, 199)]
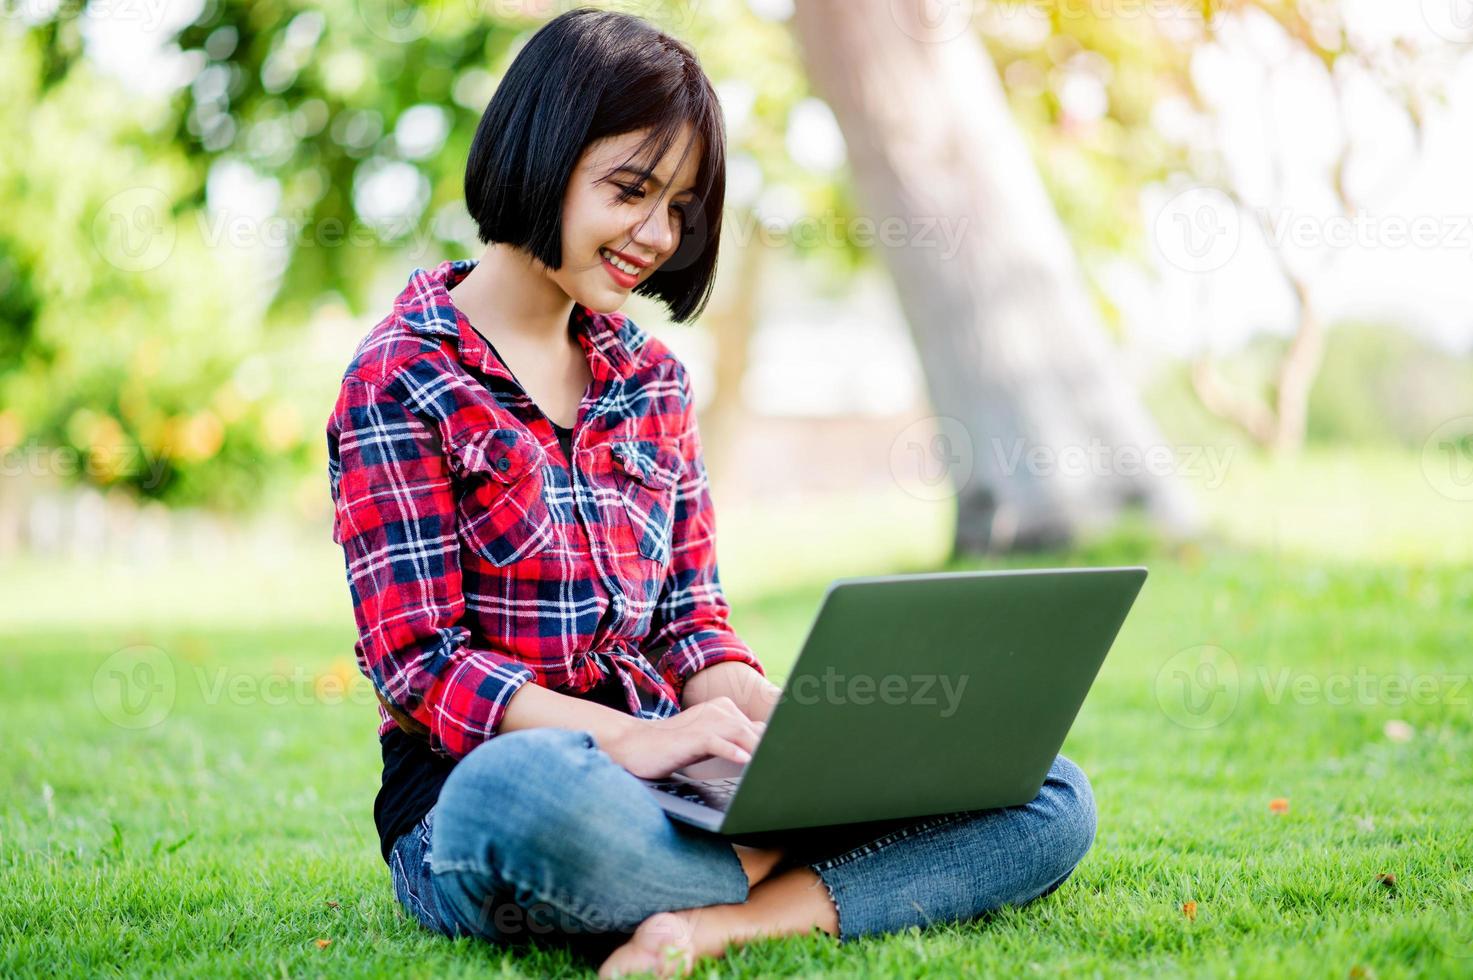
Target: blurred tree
[(343, 126), (305, 148), (1011, 345), (1313, 32)]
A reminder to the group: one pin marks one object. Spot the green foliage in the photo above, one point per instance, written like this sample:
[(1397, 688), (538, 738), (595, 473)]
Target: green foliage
[(1384, 385), (172, 342), (149, 326), (1377, 385)]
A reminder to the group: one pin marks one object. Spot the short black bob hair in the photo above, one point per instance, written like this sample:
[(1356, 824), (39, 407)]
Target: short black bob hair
[(585, 75)]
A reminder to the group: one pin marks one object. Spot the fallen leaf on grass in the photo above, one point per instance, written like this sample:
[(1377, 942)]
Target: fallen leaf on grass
[(1398, 730), (1279, 804), (1189, 909), (324, 943)]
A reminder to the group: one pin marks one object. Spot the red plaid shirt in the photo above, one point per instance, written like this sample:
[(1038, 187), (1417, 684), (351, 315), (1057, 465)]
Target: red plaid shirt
[(479, 560)]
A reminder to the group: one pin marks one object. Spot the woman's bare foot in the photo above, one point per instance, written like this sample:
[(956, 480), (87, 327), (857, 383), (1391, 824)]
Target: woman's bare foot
[(663, 945), (670, 943)]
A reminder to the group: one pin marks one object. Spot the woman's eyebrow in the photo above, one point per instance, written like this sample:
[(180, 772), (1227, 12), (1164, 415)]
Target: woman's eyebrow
[(646, 175)]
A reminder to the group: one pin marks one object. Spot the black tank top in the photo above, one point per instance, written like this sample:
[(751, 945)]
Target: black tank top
[(564, 433)]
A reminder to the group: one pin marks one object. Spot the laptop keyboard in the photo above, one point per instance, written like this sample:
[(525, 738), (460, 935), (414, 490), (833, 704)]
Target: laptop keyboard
[(714, 793)]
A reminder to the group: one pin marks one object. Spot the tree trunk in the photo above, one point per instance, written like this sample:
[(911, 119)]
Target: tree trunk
[(730, 319), (1009, 340)]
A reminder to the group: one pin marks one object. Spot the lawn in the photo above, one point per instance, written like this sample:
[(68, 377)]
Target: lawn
[(1281, 745)]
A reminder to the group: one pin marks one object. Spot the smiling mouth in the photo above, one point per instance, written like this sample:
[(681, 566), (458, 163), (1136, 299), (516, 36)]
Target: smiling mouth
[(618, 269)]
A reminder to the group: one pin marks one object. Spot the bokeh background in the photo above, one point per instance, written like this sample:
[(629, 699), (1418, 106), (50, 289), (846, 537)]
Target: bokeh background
[(1058, 282)]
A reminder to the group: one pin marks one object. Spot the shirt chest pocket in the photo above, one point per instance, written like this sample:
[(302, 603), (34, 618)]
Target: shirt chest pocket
[(501, 512), (646, 473)]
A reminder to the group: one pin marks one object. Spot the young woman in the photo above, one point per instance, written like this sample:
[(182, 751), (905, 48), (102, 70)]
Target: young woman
[(523, 505)]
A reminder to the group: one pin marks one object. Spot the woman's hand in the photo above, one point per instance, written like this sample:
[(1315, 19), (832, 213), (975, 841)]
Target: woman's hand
[(655, 749)]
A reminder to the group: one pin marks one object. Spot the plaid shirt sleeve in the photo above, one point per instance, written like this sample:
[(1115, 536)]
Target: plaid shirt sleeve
[(395, 516), (691, 613)]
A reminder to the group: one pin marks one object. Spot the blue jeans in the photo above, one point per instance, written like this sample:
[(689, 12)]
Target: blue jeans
[(539, 836)]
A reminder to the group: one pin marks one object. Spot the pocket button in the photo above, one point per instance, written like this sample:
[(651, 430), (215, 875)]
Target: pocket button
[(501, 512)]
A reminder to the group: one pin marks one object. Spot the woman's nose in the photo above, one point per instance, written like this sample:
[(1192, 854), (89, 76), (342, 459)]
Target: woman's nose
[(656, 232)]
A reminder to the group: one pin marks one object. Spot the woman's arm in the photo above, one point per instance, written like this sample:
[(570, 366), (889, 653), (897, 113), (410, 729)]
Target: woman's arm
[(395, 516), (539, 707)]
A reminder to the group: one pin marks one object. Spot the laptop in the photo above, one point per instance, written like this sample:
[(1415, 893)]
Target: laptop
[(916, 695)]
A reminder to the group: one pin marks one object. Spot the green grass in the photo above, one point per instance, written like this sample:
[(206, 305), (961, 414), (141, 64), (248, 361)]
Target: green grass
[(236, 831)]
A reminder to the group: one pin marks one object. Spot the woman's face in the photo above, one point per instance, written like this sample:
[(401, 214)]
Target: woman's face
[(644, 230)]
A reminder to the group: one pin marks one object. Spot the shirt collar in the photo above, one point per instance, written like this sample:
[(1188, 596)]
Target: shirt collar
[(426, 308)]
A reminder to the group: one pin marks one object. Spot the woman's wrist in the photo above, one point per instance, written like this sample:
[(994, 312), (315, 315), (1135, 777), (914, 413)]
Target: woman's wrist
[(753, 693), (534, 706)]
